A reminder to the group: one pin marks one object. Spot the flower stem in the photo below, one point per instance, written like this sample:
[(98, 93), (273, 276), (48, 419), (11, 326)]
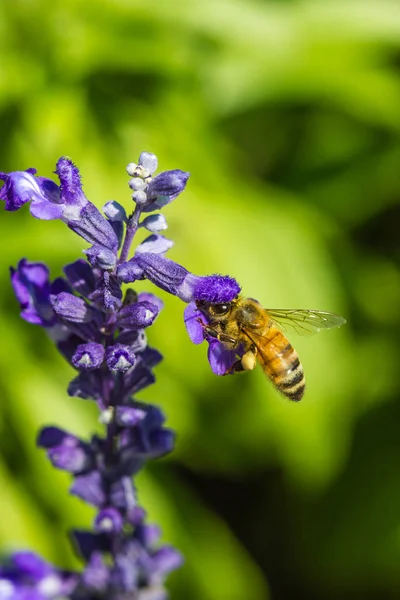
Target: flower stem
[(131, 228)]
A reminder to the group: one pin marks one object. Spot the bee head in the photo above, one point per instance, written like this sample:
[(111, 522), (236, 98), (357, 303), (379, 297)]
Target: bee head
[(214, 312)]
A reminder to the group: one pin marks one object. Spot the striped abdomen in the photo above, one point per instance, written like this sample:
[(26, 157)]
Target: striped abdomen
[(281, 363)]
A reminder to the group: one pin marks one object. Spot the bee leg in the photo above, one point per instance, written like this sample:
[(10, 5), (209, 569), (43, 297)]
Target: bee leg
[(221, 337), (237, 367), (246, 363)]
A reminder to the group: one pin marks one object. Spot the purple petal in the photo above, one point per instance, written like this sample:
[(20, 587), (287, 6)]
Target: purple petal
[(166, 559), (89, 488), (64, 450), (128, 416), (31, 565), (80, 276), (148, 535), (96, 574), (151, 357), (147, 297), (88, 543), (88, 386), (52, 436), (220, 359), (125, 573), (122, 494), (136, 516), (21, 187), (133, 337), (138, 379), (69, 458), (162, 442), (193, 326), (46, 211), (32, 288)]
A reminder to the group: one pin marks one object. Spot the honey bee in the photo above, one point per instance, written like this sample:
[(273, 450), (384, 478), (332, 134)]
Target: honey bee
[(256, 333)]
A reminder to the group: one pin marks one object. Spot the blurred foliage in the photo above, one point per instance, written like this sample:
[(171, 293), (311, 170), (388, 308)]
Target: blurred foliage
[(287, 115)]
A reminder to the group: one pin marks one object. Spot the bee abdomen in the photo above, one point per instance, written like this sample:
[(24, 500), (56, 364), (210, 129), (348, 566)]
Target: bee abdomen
[(290, 378), (286, 371)]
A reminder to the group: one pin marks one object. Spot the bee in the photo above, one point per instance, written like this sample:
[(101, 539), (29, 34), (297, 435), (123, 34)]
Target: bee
[(256, 333)]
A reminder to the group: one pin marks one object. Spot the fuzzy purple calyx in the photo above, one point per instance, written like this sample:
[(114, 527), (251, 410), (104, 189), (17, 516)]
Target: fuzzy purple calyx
[(70, 307), (168, 184), (216, 289)]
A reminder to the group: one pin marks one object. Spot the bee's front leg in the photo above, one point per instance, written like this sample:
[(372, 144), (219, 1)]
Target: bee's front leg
[(221, 337)]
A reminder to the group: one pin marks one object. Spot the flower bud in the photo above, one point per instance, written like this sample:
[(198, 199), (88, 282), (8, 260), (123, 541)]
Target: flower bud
[(71, 307), (120, 357), (148, 161), (109, 520), (137, 184), (88, 356), (140, 197), (154, 223)]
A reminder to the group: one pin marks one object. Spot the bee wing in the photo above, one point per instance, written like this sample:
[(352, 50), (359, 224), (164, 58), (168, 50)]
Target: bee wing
[(304, 321)]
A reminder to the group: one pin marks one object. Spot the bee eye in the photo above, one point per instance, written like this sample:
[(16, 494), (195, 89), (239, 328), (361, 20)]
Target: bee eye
[(220, 309)]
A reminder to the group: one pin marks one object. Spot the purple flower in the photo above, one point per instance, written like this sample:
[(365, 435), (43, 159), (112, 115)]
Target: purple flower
[(32, 288), (22, 186), (66, 202), (65, 450), (100, 327), (220, 359), (26, 576), (153, 194), (175, 279)]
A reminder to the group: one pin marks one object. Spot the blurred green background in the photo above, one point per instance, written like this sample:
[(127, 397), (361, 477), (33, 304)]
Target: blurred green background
[(287, 115)]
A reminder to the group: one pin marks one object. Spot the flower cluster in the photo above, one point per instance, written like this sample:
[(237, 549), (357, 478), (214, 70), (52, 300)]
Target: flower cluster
[(101, 331)]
